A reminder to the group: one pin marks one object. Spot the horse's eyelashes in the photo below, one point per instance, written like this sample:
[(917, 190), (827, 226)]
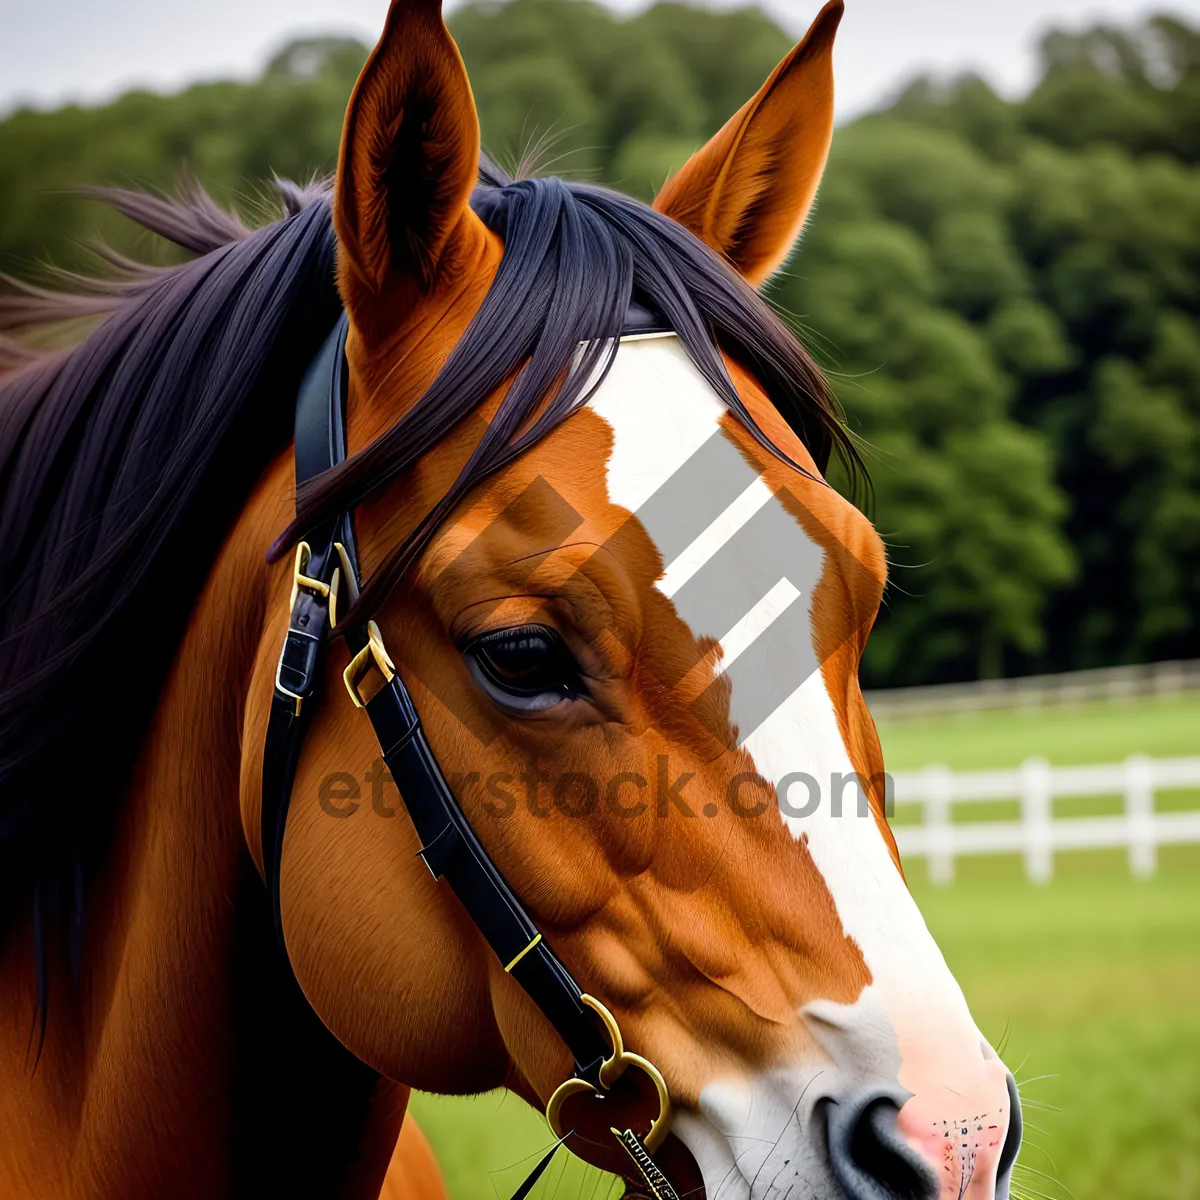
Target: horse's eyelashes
[(519, 657), (524, 669)]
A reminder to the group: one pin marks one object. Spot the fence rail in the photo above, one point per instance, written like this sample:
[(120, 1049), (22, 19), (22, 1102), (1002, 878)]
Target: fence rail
[(1036, 691), (1038, 835)]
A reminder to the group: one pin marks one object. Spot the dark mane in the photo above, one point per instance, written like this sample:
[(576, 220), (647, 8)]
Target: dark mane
[(124, 461), (575, 255)]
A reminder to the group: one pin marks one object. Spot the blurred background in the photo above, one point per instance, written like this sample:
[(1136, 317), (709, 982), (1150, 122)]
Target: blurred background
[(1002, 278)]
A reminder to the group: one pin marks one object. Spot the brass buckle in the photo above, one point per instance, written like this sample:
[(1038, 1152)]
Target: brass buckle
[(313, 587), (373, 654), (611, 1070), (347, 573)]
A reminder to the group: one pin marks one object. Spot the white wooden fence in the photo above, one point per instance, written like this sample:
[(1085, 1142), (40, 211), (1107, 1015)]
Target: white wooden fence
[(1115, 684), (1039, 834)]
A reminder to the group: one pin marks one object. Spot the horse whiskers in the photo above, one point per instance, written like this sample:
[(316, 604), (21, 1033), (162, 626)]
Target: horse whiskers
[(1020, 1067), (1042, 1150), (1030, 1193), (774, 1143), (729, 1174), (1043, 1174), (1002, 1045), (1051, 1180), (1022, 1083)]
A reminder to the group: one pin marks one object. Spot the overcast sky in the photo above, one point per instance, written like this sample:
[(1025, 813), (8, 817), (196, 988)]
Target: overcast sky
[(57, 50)]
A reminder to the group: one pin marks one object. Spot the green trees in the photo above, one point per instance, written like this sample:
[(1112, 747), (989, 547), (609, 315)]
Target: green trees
[(1053, 245), (625, 101), (1006, 294), (910, 277), (232, 136), (1114, 238)]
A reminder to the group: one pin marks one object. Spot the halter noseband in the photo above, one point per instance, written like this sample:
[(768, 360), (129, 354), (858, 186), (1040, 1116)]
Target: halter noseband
[(324, 565)]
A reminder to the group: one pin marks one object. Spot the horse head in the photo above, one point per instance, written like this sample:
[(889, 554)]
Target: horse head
[(603, 555)]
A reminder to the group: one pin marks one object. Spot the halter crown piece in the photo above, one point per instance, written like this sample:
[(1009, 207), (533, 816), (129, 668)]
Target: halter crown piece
[(325, 565)]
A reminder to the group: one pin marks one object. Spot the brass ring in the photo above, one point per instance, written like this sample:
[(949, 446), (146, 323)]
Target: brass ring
[(611, 1070), (607, 1074)]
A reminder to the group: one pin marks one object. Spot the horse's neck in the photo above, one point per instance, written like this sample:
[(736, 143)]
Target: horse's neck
[(185, 1062)]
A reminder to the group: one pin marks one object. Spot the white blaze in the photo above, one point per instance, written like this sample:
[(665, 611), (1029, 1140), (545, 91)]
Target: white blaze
[(661, 411), (707, 543)]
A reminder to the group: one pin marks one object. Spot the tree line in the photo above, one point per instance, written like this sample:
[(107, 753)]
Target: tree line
[(1005, 294)]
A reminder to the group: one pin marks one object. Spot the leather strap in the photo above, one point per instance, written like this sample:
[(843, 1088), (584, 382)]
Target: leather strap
[(320, 445), (452, 852), (450, 848)]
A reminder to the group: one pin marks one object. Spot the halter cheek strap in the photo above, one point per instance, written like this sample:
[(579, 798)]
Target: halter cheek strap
[(324, 567)]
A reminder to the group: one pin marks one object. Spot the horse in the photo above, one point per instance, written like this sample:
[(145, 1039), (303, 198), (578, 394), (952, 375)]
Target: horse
[(586, 465)]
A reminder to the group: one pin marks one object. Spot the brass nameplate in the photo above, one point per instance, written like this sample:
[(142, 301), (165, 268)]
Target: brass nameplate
[(659, 1185)]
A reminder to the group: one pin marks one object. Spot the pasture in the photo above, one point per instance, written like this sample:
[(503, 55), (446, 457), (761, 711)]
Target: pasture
[(1090, 984), (1069, 735)]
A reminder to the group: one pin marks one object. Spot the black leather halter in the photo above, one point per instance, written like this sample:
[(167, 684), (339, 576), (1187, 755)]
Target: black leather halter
[(326, 567)]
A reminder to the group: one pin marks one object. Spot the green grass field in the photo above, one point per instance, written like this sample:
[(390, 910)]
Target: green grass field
[(1091, 733), (1092, 984)]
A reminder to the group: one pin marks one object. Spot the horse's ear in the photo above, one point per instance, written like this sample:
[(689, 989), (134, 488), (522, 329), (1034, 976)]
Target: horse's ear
[(409, 155), (746, 193)]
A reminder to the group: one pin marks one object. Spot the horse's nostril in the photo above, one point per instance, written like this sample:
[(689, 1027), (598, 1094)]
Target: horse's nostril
[(867, 1155), (1012, 1142)]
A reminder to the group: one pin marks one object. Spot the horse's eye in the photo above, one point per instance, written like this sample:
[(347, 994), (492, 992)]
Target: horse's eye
[(524, 670)]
